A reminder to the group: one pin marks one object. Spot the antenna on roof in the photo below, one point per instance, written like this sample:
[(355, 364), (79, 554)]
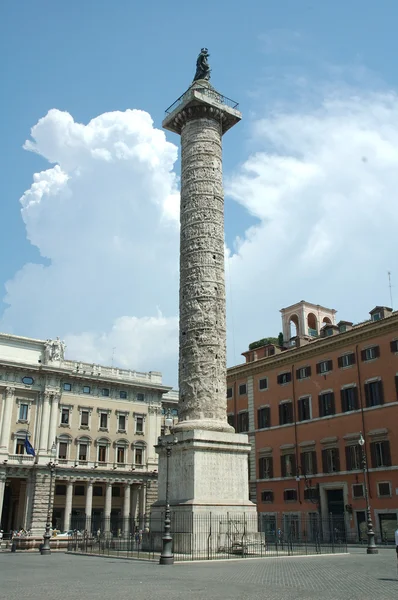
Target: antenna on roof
[(390, 286)]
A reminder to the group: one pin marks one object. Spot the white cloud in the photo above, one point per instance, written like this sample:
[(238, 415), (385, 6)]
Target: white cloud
[(324, 185), (106, 217)]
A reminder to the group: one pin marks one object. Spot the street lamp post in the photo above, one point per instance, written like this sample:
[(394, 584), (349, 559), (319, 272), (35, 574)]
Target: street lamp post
[(167, 442), (371, 549), (45, 549)]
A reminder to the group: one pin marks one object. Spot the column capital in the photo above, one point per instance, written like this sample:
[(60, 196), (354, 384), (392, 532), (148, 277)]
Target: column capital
[(46, 395), (10, 391)]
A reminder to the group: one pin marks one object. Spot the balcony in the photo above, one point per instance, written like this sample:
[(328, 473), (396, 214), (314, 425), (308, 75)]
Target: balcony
[(312, 332), (20, 459)]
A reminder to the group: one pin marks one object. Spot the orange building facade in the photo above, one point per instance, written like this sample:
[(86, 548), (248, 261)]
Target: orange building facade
[(305, 405)]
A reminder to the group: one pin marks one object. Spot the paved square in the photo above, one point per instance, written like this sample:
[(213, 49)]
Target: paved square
[(355, 576)]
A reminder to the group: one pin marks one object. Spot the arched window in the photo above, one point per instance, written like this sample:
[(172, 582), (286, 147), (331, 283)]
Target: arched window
[(63, 444), (83, 443), (103, 444), (139, 454), (312, 323), (294, 326)]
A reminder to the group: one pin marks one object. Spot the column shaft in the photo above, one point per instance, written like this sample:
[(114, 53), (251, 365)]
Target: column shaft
[(108, 506), (6, 424), (68, 505), (126, 509), (2, 488), (45, 416), (141, 508), (53, 421), (89, 505), (134, 502)]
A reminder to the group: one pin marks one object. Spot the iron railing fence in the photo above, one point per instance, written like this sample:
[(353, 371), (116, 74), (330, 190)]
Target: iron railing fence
[(210, 92), (210, 536)]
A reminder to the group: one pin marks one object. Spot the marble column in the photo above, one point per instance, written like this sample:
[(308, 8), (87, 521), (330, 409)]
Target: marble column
[(68, 505), (89, 505), (108, 506), (53, 421), (6, 424), (134, 503), (45, 418), (29, 503), (141, 506), (2, 488), (126, 509)]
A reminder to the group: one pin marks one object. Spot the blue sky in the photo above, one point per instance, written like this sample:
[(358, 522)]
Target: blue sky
[(279, 56)]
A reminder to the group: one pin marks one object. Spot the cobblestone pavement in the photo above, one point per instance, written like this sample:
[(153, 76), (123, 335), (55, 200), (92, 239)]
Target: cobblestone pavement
[(355, 576)]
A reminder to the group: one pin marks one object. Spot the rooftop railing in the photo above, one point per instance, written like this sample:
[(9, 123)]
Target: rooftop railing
[(206, 92)]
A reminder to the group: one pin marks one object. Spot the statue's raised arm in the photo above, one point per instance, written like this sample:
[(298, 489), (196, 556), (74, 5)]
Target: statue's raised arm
[(202, 66)]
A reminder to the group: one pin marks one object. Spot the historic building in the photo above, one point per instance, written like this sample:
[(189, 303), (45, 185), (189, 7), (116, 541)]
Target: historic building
[(304, 405), (97, 425)]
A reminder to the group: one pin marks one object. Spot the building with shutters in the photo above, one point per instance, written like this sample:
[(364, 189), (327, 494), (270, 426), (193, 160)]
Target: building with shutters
[(304, 406), (103, 423)]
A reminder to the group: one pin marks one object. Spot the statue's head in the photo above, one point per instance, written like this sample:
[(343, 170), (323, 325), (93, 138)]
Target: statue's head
[(205, 51)]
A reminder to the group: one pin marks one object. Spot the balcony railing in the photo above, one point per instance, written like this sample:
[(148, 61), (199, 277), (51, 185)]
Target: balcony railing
[(20, 459), (211, 93)]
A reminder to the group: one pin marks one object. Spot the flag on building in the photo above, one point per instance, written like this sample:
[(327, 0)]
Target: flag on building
[(28, 447)]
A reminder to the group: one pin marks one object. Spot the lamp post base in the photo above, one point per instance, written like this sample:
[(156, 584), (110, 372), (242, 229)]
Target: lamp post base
[(167, 556), (372, 550), (46, 549)]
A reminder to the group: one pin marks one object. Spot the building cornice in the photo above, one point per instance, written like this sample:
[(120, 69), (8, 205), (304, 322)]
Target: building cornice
[(315, 348)]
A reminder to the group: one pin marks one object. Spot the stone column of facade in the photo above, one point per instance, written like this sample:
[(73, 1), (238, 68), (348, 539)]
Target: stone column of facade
[(44, 426), (68, 505), (41, 500), (29, 502), (134, 502), (108, 506), (142, 506), (2, 488), (21, 505), (53, 421), (6, 424), (89, 505), (126, 509)]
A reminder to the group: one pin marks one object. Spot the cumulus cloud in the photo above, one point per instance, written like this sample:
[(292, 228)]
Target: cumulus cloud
[(105, 215), (323, 185)]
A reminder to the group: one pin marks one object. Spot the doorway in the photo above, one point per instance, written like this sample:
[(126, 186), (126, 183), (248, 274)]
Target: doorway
[(336, 511)]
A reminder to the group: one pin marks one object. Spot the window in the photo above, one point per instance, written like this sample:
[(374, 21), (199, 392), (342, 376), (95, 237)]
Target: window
[(374, 393), (304, 409), (370, 353), (326, 404), (97, 490), (139, 424), (347, 360), (353, 457), (139, 456), (123, 395), (285, 413), (20, 447), (84, 418), (140, 397), (122, 423), (284, 378), (105, 392), (376, 316), (290, 495), (394, 346), (23, 412), (229, 392), (384, 489), (265, 467), (325, 366), (67, 387), (231, 420), (243, 422), (349, 399), (120, 454), (303, 373), (28, 380), (103, 420), (79, 490), (329, 331), (65, 416), (267, 496), (115, 491), (380, 454), (263, 384), (242, 389), (311, 493), (330, 460), (308, 462), (60, 489), (62, 450), (83, 452), (264, 417), (288, 465), (86, 389), (102, 454), (343, 328), (357, 490)]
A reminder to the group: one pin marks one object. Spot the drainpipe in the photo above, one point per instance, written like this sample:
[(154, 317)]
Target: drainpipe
[(295, 437)]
